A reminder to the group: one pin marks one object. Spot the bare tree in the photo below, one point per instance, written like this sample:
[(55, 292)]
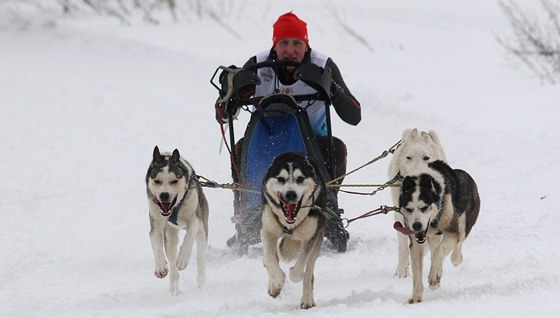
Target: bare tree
[(124, 10), (127, 11), (536, 38)]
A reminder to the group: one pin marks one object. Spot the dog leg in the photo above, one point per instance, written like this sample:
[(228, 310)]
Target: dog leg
[(185, 251), (448, 243), (307, 298), (457, 255), (276, 276), (156, 238), (297, 271), (433, 242), (417, 262), (201, 245), (171, 242), (404, 257)]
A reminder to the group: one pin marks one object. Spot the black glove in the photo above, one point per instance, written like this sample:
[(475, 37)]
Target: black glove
[(337, 92)]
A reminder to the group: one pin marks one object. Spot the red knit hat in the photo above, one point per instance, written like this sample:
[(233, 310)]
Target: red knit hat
[(289, 25)]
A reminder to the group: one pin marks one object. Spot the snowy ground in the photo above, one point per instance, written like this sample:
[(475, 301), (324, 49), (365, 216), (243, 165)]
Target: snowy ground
[(84, 102)]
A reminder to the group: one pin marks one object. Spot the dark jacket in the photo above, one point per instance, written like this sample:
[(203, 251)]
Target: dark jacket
[(345, 105)]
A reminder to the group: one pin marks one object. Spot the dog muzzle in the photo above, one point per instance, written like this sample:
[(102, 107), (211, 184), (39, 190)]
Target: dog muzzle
[(420, 235), (290, 208), (165, 207)]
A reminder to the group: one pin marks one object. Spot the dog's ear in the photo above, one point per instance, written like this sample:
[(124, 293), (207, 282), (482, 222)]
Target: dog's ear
[(429, 140), (428, 182), (437, 188), (406, 133), (408, 186), (157, 155), (175, 156), (408, 182), (426, 138)]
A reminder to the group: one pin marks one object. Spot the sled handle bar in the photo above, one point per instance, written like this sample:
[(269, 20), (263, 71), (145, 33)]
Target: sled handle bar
[(273, 63), (297, 98), (253, 67), (315, 76)]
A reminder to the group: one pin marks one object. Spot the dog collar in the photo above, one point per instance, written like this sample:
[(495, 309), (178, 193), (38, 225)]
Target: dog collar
[(287, 230), (434, 223)]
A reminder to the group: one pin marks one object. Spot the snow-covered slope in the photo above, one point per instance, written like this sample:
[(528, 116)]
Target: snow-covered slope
[(83, 103)]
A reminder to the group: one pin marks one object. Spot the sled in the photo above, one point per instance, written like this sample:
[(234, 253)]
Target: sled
[(278, 124)]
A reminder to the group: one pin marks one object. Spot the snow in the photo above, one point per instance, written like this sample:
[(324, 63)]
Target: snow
[(85, 100)]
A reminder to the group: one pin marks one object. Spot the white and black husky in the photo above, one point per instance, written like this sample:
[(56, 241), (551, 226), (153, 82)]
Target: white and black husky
[(293, 195), (176, 202), (439, 204), (418, 148)]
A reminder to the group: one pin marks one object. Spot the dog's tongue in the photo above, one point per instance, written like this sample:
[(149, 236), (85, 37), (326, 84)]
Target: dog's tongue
[(403, 229), (165, 207), (289, 213)]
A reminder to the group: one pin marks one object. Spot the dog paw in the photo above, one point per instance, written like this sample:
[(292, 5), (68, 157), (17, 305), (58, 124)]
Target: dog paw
[(275, 285), (434, 285), (296, 274), (200, 282), (456, 258), (434, 279), (174, 291), (307, 302), (401, 272), (181, 264), (415, 300), (161, 271), (274, 291)]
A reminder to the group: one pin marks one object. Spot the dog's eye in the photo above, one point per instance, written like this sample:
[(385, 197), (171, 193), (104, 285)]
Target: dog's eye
[(156, 181), (281, 179), (426, 158), (173, 181), (300, 179), (424, 209), (409, 210), (408, 158)]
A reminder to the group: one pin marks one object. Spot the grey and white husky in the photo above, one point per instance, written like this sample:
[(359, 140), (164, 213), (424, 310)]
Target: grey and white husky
[(440, 205), (292, 221), (176, 202)]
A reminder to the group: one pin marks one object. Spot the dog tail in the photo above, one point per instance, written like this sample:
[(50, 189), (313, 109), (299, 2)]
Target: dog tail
[(288, 249)]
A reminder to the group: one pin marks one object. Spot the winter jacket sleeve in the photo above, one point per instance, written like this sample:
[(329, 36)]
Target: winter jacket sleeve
[(250, 62), (345, 104)]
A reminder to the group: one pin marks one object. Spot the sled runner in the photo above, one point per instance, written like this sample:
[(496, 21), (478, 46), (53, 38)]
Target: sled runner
[(278, 124)]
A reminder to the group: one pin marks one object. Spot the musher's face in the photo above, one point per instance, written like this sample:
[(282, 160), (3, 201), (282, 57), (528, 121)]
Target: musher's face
[(291, 49)]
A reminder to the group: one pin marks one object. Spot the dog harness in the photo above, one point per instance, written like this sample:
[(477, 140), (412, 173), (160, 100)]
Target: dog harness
[(175, 211)]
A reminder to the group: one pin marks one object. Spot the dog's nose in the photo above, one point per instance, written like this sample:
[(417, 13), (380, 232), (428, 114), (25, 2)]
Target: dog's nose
[(164, 196), (291, 196), (417, 226)]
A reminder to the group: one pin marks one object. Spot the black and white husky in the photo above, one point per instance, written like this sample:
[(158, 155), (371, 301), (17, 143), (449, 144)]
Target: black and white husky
[(441, 205), (418, 148), (293, 194), (176, 202)]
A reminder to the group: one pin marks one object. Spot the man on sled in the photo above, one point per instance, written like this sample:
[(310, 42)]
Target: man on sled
[(278, 77)]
